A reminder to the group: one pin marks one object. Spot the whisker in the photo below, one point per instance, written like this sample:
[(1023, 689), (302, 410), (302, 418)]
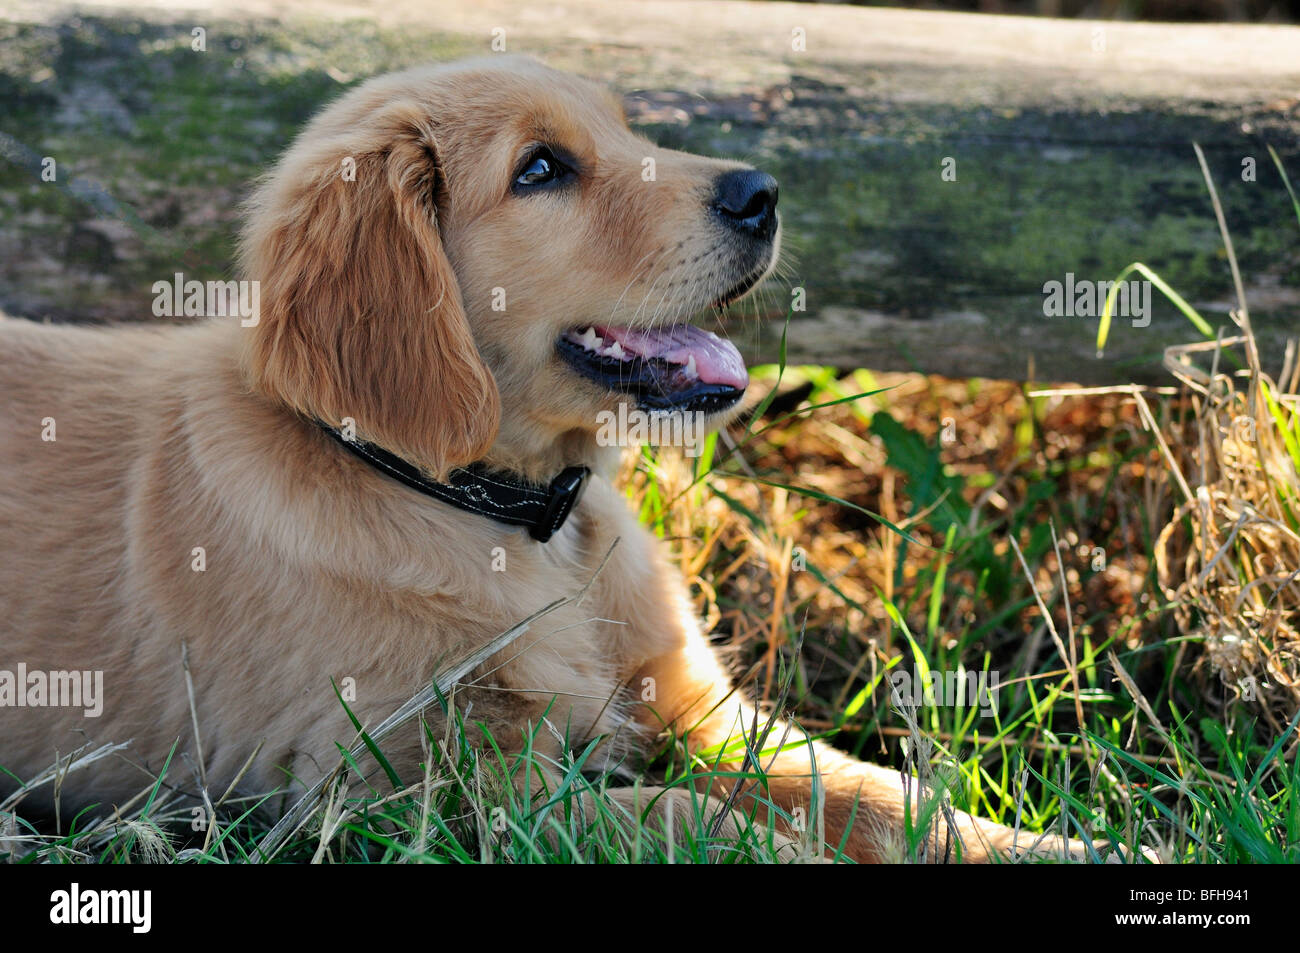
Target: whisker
[(637, 275)]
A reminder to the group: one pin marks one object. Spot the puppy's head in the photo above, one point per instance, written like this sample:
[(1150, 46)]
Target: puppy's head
[(483, 258)]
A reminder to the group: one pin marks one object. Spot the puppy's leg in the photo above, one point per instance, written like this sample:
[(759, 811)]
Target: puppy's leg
[(693, 696)]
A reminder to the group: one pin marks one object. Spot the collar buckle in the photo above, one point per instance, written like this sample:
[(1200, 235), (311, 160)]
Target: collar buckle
[(563, 495)]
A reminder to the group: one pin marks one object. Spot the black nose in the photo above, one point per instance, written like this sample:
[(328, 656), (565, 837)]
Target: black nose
[(746, 200)]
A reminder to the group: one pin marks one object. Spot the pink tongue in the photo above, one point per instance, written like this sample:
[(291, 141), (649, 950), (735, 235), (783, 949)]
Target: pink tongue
[(716, 359)]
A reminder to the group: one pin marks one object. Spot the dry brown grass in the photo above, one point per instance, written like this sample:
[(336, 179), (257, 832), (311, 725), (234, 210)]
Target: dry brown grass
[(1229, 559), (1189, 497), (1080, 462)]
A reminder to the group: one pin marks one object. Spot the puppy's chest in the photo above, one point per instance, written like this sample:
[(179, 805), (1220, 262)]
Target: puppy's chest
[(581, 654), (563, 671)]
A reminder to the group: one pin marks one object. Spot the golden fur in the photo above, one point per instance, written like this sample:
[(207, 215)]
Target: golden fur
[(375, 306)]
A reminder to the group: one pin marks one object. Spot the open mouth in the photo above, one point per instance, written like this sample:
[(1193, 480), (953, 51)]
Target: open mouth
[(678, 367)]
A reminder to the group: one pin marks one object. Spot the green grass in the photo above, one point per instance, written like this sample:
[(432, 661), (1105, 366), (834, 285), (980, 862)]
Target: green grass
[(466, 809)]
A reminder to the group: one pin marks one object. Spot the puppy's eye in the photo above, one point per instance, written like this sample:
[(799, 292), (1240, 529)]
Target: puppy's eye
[(540, 168)]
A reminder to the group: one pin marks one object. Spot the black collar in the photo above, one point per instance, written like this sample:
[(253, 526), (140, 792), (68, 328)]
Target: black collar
[(491, 493)]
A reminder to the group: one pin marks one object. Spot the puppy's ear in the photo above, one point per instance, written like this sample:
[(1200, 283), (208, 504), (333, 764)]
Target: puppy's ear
[(361, 315)]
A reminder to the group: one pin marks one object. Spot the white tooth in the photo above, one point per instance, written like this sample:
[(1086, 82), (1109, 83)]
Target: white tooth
[(590, 339), (616, 351), (691, 372)]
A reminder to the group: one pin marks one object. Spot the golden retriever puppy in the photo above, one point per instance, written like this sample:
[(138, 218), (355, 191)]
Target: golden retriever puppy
[(395, 459)]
